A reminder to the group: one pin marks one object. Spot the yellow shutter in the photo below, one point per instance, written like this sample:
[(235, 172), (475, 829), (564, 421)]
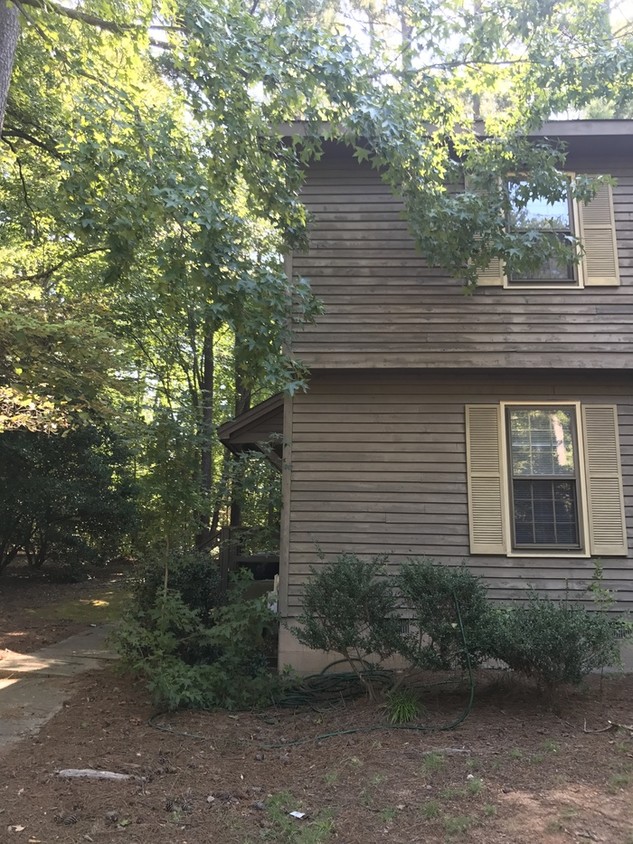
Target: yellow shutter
[(492, 275), (605, 506), (597, 231), (486, 480)]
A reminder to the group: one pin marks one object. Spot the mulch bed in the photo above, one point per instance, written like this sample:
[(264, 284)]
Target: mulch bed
[(517, 770)]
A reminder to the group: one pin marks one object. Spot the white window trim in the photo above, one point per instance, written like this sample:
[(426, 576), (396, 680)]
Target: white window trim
[(582, 483)]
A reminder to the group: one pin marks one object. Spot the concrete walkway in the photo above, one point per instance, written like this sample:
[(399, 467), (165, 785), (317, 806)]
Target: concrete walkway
[(34, 687)]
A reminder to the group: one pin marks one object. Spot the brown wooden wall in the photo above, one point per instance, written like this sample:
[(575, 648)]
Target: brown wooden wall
[(385, 308), (377, 463)]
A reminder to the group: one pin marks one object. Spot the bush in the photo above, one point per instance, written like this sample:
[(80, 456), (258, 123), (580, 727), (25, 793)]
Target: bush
[(431, 593), (66, 497), (349, 607), (352, 608), (195, 646), (194, 575), (555, 642)]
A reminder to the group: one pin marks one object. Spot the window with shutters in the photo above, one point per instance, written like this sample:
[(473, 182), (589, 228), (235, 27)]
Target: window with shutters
[(545, 479), (590, 226)]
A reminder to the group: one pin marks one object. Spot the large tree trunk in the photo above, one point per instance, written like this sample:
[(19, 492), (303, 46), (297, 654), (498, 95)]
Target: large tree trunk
[(9, 31), (206, 434), (406, 31), (242, 404)]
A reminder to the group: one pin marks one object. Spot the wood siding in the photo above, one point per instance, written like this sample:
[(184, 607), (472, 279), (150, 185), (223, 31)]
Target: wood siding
[(384, 307), (377, 464)]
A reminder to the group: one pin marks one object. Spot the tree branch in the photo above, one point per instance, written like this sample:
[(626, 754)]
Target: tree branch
[(49, 271), (99, 23), (25, 192), (15, 132)]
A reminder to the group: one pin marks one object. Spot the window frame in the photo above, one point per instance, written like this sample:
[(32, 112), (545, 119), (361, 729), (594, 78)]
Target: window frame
[(581, 493), (578, 283), (574, 478)]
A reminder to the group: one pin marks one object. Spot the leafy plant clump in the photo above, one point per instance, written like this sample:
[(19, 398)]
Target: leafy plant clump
[(194, 645), (350, 608), (402, 706), (192, 574), (555, 642), (65, 497), (450, 613)]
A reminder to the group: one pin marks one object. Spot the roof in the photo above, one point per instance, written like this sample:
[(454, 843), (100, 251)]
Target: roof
[(556, 128), (254, 429), (581, 135)]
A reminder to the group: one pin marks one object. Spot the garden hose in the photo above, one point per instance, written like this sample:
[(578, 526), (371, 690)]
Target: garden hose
[(330, 688), (316, 686)]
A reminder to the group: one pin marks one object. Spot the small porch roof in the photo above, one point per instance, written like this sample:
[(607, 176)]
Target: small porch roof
[(257, 429)]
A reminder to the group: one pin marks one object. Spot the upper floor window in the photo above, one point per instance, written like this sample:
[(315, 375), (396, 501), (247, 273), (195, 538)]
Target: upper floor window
[(590, 225), (555, 221)]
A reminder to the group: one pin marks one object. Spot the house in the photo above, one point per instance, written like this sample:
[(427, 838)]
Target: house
[(495, 429)]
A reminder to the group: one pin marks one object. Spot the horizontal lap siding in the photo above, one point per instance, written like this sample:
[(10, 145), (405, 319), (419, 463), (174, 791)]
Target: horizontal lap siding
[(378, 465), (384, 307)]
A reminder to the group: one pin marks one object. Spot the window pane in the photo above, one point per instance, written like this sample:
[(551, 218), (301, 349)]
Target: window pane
[(555, 268), (545, 513), (536, 213), (542, 441), (553, 218)]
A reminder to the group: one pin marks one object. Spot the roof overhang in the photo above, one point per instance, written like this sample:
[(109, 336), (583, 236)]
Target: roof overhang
[(258, 429), (615, 135)]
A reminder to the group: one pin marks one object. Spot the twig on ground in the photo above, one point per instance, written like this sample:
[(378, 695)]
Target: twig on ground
[(611, 725), (93, 774)]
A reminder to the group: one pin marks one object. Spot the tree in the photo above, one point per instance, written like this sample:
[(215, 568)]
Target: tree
[(150, 194), (63, 497), (9, 31)]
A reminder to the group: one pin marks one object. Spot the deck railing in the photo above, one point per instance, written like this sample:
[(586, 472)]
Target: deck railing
[(232, 542)]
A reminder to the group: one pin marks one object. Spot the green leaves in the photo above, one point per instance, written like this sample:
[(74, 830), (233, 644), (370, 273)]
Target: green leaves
[(194, 646), (150, 191), (349, 607), (556, 642)]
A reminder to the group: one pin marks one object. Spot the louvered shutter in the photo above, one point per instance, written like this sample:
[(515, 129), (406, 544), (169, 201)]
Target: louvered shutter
[(486, 482), (492, 275), (597, 231), (605, 506)]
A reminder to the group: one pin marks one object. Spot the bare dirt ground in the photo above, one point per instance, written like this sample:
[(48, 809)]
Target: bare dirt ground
[(37, 610), (518, 770)]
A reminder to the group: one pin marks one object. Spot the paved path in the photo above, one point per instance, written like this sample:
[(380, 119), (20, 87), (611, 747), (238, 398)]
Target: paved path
[(34, 687)]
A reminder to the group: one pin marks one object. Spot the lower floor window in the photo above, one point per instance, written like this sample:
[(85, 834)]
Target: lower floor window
[(542, 446), (545, 478)]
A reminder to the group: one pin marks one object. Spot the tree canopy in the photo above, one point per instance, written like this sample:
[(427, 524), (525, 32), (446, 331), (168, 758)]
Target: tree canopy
[(150, 191)]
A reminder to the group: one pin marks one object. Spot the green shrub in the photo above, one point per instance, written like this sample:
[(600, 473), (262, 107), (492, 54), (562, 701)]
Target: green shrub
[(555, 642), (196, 647), (430, 592), (194, 575), (66, 497), (349, 608), (352, 608)]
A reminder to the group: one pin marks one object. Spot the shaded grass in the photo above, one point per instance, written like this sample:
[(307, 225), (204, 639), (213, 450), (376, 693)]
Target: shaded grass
[(102, 605)]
